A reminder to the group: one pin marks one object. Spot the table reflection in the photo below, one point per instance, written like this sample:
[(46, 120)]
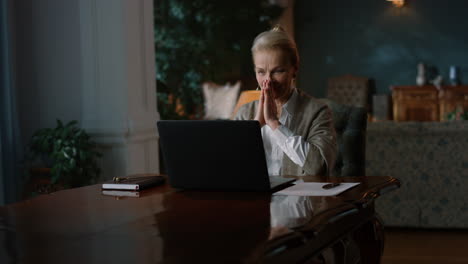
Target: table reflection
[(289, 212)]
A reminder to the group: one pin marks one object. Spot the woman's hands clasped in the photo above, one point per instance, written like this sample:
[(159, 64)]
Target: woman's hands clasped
[(267, 112)]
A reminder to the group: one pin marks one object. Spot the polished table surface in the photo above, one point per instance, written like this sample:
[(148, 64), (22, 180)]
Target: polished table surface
[(172, 226)]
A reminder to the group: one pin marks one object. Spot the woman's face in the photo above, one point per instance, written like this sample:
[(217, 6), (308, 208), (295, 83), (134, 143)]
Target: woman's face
[(275, 66)]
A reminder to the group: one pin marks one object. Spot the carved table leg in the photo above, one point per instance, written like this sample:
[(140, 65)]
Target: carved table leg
[(371, 238)]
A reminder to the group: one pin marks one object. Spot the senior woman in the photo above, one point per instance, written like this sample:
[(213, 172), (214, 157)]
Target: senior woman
[(297, 129)]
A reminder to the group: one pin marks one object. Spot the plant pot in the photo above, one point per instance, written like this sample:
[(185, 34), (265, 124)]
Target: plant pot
[(39, 183)]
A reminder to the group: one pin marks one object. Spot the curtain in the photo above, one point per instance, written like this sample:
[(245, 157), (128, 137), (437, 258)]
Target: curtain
[(9, 129)]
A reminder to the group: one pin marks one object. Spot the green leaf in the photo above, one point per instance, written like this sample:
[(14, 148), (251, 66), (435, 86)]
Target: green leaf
[(54, 179), (72, 163), (72, 123), (65, 154), (71, 150)]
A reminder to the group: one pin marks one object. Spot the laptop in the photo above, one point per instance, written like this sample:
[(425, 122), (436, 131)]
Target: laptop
[(222, 155)]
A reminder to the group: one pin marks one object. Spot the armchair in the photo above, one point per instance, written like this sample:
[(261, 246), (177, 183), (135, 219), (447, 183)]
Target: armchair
[(349, 90), (350, 125), (246, 97)]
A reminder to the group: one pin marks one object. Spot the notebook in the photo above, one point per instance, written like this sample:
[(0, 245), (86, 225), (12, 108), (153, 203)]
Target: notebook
[(222, 155), (135, 183)]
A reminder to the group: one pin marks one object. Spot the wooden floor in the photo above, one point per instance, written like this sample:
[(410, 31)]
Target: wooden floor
[(415, 246)]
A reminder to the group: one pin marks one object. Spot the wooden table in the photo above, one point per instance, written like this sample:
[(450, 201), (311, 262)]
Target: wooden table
[(172, 226)]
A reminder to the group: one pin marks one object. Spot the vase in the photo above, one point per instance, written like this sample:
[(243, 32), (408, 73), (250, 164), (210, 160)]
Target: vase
[(454, 75), (421, 77)]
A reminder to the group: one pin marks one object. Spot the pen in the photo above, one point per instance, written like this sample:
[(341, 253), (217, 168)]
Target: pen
[(119, 179), (330, 185)]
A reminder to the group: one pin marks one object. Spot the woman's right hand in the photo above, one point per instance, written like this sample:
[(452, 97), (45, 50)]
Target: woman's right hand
[(259, 116)]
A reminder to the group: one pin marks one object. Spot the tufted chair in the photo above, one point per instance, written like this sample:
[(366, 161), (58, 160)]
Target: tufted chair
[(350, 124), (349, 90)]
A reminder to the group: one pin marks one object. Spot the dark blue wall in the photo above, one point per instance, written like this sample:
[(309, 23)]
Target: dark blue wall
[(374, 39)]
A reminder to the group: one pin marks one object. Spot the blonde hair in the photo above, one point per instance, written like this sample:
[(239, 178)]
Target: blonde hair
[(276, 38)]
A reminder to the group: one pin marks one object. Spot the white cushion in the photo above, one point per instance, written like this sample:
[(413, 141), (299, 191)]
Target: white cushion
[(220, 100)]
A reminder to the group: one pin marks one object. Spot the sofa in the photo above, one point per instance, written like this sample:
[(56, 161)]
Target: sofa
[(431, 161)]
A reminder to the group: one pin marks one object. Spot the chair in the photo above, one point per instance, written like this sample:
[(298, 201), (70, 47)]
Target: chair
[(220, 99), (350, 124), (246, 96), (349, 90)]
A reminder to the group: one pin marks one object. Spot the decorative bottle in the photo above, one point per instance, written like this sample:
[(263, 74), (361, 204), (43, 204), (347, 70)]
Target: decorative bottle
[(454, 76), (421, 77)]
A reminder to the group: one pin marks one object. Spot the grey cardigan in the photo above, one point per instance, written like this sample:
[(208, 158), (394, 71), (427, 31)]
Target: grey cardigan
[(312, 120)]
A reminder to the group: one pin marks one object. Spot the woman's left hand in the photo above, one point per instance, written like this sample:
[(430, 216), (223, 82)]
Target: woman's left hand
[(270, 111)]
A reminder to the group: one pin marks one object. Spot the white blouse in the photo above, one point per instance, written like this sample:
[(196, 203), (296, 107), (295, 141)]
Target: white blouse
[(283, 141)]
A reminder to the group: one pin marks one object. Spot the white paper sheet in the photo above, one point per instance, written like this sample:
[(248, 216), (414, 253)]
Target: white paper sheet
[(315, 189)]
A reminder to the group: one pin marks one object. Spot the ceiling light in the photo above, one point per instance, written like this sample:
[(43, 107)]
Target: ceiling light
[(397, 3)]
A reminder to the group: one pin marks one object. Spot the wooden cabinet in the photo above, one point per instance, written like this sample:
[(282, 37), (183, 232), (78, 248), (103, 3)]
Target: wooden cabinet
[(427, 103), (415, 103), (451, 97)]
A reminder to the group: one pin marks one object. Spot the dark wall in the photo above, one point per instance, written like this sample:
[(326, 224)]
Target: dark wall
[(372, 38), (48, 69)]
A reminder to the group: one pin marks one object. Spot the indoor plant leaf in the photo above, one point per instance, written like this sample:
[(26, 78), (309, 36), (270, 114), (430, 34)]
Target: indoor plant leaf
[(71, 152)]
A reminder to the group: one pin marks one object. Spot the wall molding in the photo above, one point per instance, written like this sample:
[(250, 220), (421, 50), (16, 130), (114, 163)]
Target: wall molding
[(119, 102), (116, 138)]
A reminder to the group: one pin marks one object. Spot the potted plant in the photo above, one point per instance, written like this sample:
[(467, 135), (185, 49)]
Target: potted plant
[(204, 40), (457, 114), (68, 152)]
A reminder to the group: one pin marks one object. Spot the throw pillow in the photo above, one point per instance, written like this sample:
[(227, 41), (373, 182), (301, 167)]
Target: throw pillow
[(220, 100)]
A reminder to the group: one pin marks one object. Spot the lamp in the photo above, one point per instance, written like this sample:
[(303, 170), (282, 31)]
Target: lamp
[(397, 3)]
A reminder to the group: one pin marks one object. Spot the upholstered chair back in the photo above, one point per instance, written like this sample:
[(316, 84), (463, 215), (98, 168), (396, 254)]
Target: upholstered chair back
[(349, 90), (246, 96), (350, 124)]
